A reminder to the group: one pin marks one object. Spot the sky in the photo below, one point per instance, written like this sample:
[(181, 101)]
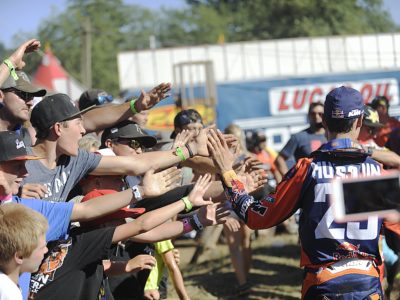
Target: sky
[(30, 13)]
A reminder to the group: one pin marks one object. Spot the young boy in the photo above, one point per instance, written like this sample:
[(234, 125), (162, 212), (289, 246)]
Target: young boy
[(22, 246)]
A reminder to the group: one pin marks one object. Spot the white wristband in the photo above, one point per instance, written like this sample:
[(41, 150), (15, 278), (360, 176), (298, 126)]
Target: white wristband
[(136, 193), (197, 222)]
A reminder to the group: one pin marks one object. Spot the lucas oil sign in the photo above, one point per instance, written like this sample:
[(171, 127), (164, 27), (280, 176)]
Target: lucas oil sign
[(296, 99)]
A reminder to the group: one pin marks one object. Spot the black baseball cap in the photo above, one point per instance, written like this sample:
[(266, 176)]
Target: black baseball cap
[(128, 130), (94, 97), (53, 109), (185, 117), (12, 147), (379, 101), (371, 118), (22, 84)]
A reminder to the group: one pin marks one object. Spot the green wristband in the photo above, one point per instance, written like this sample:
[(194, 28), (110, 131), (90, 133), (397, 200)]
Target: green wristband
[(11, 67), (132, 105), (179, 152), (188, 204)]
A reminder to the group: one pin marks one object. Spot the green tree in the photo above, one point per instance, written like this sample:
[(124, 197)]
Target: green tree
[(259, 19), (64, 33)]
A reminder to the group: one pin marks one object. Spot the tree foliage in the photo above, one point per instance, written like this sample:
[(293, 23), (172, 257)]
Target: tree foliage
[(116, 26)]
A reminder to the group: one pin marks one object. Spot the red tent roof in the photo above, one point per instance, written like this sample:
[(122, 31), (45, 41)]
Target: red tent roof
[(49, 70)]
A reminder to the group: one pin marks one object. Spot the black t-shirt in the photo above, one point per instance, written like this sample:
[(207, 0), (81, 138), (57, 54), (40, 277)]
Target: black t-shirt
[(61, 274)]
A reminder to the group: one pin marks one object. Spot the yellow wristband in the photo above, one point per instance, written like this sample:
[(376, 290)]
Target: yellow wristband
[(188, 204), (11, 67), (180, 153), (229, 176), (132, 106)]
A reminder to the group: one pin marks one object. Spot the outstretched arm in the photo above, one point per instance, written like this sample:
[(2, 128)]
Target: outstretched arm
[(153, 184), (105, 116), (139, 164), (156, 217)]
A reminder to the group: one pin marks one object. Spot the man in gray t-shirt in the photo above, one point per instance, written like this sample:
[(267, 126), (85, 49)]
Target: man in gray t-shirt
[(58, 125), (60, 180)]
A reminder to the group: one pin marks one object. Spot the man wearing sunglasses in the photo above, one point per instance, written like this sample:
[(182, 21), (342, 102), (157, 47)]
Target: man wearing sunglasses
[(16, 100)]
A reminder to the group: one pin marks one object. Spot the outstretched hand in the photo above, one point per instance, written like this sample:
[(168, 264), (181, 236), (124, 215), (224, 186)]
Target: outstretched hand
[(182, 138), (156, 184), (147, 100), (140, 262), (213, 214), (201, 186), (17, 57), (220, 152)]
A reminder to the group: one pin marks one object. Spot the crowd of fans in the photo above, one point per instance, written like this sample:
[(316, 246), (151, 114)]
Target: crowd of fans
[(90, 203)]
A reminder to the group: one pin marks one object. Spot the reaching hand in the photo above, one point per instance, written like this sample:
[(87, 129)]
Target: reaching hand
[(33, 190), (253, 180), (199, 144), (182, 138), (201, 186), (17, 56), (213, 214), (232, 224), (155, 184), (140, 262), (252, 164), (148, 100), (220, 152)]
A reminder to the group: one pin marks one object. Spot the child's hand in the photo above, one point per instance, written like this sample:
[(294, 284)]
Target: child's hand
[(213, 214), (140, 262), (182, 138), (201, 186), (155, 184), (151, 295)]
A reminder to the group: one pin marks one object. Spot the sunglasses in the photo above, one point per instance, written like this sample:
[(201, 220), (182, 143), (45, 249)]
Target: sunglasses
[(21, 94), (104, 99), (134, 144)]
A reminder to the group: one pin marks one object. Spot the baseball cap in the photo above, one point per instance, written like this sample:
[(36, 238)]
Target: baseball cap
[(94, 97), (343, 103), (186, 117), (120, 214), (53, 109), (128, 130), (22, 84), (12, 147), (379, 101), (371, 117)]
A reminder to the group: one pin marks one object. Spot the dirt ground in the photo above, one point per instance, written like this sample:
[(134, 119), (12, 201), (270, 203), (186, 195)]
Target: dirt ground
[(275, 272)]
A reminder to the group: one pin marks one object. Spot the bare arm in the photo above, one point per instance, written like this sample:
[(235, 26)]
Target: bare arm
[(156, 217), (106, 116), (135, 264), (16, 58), (281, 166), (139, 164), (386, 157), (208, 215), (153, 184), (101, 206), (176, 275)]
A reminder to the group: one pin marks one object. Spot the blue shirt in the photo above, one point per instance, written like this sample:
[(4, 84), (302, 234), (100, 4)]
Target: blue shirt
[(58, 215)]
